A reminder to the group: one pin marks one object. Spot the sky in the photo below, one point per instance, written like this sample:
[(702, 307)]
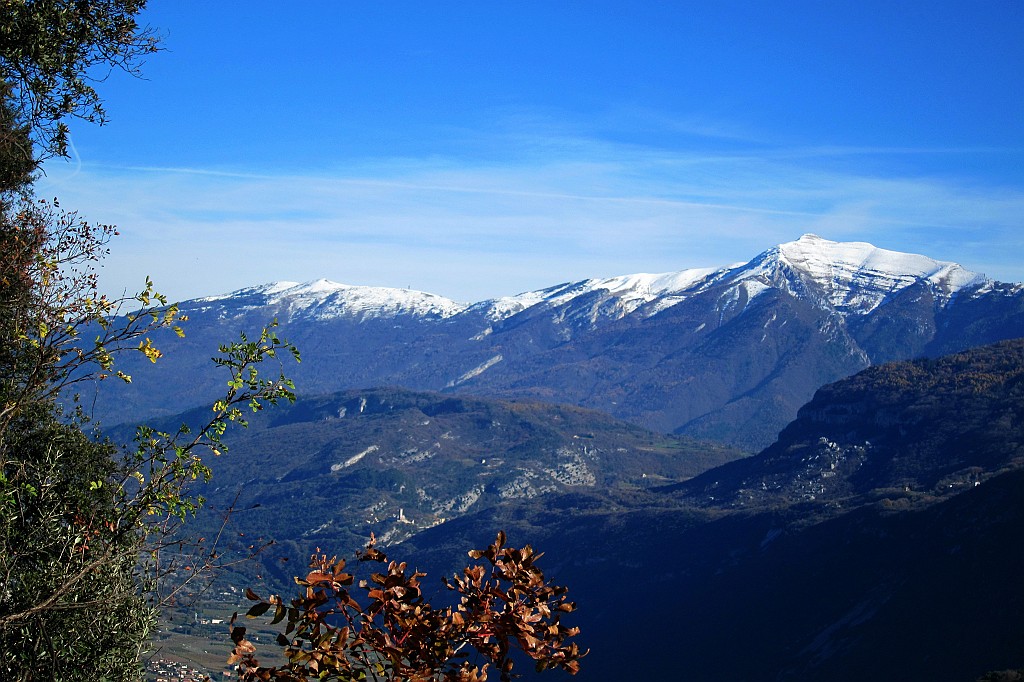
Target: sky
[(483, 149)]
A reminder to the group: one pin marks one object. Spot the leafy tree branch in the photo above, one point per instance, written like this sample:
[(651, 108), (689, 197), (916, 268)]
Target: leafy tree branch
[(386, 630)]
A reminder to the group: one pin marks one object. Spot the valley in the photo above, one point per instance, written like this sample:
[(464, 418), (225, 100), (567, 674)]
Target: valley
[(867, 539)]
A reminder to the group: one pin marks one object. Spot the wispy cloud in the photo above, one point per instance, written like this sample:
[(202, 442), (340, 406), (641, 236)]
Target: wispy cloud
[(471, 230)]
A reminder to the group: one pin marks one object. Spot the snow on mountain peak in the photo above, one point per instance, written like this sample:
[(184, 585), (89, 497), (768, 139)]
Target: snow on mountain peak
[(629, 291), (640, 289), (858, 277), (850, 277), (324, 299)]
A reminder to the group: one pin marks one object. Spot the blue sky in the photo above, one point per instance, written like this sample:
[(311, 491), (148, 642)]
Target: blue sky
[(483, 149)]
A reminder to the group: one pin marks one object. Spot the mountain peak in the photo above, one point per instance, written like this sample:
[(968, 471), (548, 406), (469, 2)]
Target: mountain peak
[(826, 259), (848, 277), (857, 277), (324, 299)]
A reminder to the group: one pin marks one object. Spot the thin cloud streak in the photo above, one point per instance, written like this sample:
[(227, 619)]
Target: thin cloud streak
[(473, 231)]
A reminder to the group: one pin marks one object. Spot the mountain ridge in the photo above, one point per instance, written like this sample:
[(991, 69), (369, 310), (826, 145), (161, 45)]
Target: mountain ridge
[(395, 462), (823, 261), (727, 354), (908, 568), (868, 436)]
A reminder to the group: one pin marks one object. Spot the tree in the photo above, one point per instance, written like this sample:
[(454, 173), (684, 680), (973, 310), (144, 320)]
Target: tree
[(395, 634), (84, 523), (17, 162), (53, 51), (62, 566), (76, 512)]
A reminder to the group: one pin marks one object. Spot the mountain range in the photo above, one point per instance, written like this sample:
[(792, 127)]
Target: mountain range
[(725, 353), (877, 538), (875, 535)]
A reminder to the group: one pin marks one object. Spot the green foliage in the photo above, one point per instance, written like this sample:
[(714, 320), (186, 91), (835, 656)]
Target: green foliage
[(67, 561), (76, 513), (17, 162), (52, 51), (395, 634)]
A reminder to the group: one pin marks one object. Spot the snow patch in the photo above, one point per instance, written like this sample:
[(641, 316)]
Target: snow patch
[(353, 459), (476, 371)]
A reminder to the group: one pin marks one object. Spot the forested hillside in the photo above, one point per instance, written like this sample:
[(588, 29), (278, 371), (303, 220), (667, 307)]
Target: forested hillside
[(823, 557)]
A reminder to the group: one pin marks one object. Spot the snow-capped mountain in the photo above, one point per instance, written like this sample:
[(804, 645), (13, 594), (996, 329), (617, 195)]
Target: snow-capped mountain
[(728, 353), (853, 277), (848, 277), (323, 299)]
